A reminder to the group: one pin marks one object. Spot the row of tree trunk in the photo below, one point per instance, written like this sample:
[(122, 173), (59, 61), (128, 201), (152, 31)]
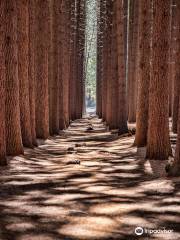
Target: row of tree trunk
[(41, 70), (141, 84), (111, 69)]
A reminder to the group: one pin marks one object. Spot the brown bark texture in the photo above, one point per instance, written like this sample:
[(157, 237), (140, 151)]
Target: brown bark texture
[(158, 142), (32, 36), (41, 81), (121, 66), (13, 129), (175, 70), (2, 87), (143, 72), (132, 62), (23, 65)]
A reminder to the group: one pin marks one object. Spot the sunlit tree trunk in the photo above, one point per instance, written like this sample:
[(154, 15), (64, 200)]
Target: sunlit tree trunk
[(158, 142), (13, 129)]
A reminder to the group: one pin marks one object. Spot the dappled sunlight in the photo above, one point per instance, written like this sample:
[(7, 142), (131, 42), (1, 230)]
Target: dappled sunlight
[(90, 190)]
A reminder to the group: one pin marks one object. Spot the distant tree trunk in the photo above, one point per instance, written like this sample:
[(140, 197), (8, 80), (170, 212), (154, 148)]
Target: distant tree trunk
[(81, 55), (65, 61), (23, 65), (99, 60), (132, 63), (104, 58), (121, 66), (80, 40), (32, 36), (73, 33), (13, 129), (176, 170), (171, 49), (54, 31), (63, 23), (125, 20), (2, 87), (113, 77), (42, 44), (143, 72), (158, 142), (173, 169), (109, 64), (175, 73), (172, 55)]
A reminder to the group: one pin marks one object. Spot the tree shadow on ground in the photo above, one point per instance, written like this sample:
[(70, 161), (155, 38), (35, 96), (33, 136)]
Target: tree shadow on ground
[(104, 197)]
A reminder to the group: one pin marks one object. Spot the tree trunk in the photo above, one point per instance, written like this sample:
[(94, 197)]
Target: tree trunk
[(125, 20), (42, 44), (158, 142), (72, 88), (175, 71), (32, 36), (132, 63), (99, 60), (143, 72), (2, 87), (65, 61), (104, 58), (55, 11), (122, 104), (23, 65), (109, 64), (172, 55), (13, 129)]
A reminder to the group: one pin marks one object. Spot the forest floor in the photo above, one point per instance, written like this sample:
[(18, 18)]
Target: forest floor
[(87, 185)]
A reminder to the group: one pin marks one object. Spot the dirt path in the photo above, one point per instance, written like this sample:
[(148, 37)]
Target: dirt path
[(86, 185)]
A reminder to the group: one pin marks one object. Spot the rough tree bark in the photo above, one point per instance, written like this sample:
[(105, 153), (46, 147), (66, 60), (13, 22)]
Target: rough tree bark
[(104, 57), (121, 62), (73, 34), (132, 62), (80, 19), (13, 129), (174, 168), (143, 72), (175, 70), (32, 36), (23, 65), (65, 61), (109, 16), (99, 59), (54, 71), (3, 160), (158, 142), (42, 99)]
